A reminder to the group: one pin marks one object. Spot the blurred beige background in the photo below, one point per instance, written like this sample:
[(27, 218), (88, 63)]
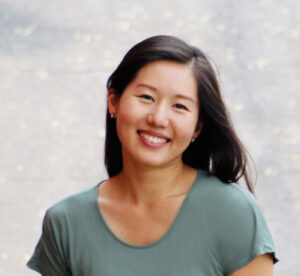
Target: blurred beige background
[(55, 58)]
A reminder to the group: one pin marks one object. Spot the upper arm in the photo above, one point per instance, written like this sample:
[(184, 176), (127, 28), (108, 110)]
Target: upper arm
[(241, 233), (260, 266), (49, 257)]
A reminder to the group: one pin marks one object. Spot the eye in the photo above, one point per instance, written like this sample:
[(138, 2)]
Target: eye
[(146, 97), (180, 106)]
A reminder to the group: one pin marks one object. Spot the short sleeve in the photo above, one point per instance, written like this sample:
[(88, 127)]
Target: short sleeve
[(48, 258), (242, 232)]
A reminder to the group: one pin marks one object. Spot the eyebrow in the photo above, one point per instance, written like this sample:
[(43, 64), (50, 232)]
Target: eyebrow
[(147, 86), (177, 95)]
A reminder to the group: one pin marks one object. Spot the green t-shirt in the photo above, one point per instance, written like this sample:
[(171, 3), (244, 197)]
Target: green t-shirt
[(218, 230)]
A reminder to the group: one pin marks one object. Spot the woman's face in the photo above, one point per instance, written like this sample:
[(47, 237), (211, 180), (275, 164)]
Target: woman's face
[(157, 114)]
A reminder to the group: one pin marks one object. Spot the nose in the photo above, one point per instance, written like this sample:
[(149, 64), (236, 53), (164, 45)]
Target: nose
[(158, 117)]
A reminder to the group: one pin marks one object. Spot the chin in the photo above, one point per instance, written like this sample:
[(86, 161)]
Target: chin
[(158, 163)]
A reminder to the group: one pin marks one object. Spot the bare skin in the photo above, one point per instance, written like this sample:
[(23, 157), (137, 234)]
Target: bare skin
[(150, 218), (140, 204), (154, 181), (260, 266), (152, 211)]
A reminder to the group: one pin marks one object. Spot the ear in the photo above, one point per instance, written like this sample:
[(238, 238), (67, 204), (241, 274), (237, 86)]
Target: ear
[(198, 130), (112, 101)]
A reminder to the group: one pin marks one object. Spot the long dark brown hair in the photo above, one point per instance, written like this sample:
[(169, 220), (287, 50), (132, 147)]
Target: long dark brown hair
[(217, 149)]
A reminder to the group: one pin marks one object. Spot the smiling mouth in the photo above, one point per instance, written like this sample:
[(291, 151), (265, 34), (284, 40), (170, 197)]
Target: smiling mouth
[(153, 139)]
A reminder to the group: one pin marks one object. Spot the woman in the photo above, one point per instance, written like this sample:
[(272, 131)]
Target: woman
[(170, 205)]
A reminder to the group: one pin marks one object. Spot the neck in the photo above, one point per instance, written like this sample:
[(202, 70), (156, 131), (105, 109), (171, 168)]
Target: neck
[(146, 185)]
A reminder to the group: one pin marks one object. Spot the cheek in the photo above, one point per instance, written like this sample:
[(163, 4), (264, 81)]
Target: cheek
[(186, 136), (127, 118), (126, 114), (186, 128)]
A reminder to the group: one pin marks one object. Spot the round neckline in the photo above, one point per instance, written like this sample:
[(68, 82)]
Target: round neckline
[(167, 233)]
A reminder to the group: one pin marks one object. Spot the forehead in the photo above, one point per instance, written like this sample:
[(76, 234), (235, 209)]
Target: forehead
[(168, 76)]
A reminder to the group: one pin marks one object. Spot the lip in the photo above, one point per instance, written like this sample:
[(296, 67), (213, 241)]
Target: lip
[(154, 134)]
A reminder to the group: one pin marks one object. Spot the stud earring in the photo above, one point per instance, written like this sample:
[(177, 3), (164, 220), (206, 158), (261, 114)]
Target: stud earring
[(112, 115), (193, 139)]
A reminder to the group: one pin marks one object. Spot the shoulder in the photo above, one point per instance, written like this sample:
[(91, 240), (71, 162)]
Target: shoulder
[(234, 207), (231, 209), (220, 194), (73, 206), (237, 226)]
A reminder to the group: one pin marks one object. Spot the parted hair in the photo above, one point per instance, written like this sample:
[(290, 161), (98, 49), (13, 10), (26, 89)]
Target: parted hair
[(217, 149)]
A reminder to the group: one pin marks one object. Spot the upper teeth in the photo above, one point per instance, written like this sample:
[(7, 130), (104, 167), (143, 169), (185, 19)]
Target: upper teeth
[(153, 139)]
